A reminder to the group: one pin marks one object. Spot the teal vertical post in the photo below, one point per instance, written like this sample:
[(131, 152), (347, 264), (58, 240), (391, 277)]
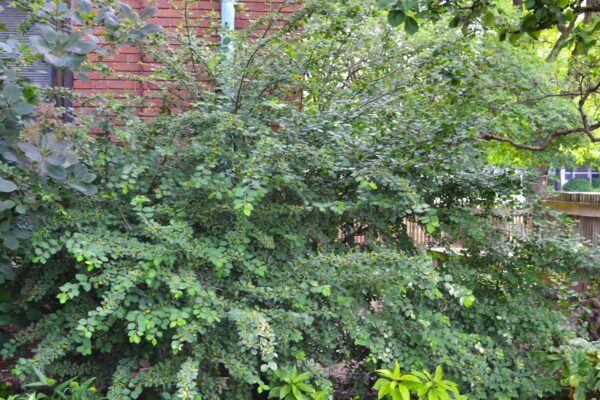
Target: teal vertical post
[(227, 22)]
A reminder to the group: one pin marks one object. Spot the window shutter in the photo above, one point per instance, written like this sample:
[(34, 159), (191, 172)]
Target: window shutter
[(37, 72)]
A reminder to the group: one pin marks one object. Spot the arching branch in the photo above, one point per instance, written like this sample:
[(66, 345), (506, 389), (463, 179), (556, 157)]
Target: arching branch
[(586, 127), (584, 9), (547, 141)]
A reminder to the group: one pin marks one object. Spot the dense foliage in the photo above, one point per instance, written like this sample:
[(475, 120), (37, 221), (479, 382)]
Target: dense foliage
[(580, 362), (578, 185), (259, 223)]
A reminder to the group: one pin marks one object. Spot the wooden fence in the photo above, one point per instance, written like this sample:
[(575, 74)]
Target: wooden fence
[(520, 225), (417, 233), (583, 208)]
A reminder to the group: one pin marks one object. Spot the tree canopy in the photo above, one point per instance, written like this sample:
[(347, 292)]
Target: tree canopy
[(551, 27)]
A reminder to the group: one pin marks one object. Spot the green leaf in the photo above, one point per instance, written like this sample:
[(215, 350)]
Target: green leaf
[(151, 29), (438, 375), (62, 297), (6, 205), (148, 12), (529, 22), (304, 387), (397, 371), (469, 300), (284, 391), (513, 38), (380, 382), (396, 17), (10, 241), (83, 6), (247, 209), (302, 377), (563, 3), (454, 22), (404, 392), (384, 390), (411, 26), (580, 393), (7, 186), (23, 108), (386, 373), (273, 393), (488, 19), (409, 378), (11, 92), (30, 151), (56, 172), (56, 61), (298, 393)]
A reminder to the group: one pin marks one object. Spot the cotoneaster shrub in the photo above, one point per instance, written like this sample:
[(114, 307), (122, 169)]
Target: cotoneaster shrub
[(212, 256)]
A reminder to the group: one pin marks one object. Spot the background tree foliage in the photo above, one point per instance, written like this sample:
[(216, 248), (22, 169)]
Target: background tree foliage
[(221, 242), (553, 26)]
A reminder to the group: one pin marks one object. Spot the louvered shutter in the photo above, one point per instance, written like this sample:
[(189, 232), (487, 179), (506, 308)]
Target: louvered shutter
[(37, 72)]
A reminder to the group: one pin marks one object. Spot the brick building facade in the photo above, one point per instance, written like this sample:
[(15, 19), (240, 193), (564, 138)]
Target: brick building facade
[(130, 60)]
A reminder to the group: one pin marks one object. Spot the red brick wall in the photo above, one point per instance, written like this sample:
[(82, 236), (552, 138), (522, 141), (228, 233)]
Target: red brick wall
[(129, 59)]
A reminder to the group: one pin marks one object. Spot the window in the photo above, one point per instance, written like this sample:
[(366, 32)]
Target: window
[(40, 73)]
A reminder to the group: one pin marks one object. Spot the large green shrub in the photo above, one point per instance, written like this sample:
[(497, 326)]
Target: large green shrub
[(213, 256), (578, 185), (262, 226)]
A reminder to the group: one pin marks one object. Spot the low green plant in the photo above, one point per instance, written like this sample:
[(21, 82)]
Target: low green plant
[(294, 386), (596, 183), (47, 388), (579, 361), (577, 185), (397, 386), (435, 387)]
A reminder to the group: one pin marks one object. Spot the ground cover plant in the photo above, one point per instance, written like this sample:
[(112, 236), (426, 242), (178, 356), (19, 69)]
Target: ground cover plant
[(252, 237)]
